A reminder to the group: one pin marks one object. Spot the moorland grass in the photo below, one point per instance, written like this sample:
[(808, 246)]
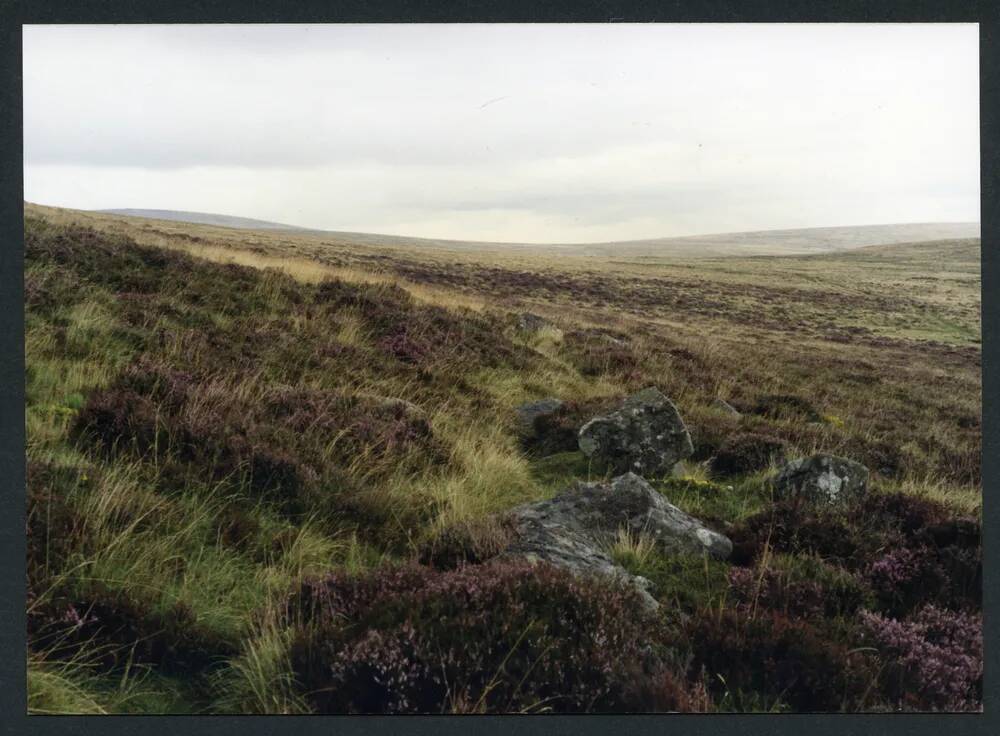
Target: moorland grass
[(206, 434)]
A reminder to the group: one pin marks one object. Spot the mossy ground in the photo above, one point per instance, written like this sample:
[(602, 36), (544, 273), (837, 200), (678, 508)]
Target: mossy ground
[(204, 436)]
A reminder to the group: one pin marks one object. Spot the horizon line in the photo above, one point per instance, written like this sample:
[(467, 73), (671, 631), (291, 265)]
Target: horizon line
[(120, 211)]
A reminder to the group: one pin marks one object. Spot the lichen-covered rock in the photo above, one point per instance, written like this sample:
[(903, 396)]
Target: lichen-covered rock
[(575, 528), (823, 479), (530, 413), (644, 435)]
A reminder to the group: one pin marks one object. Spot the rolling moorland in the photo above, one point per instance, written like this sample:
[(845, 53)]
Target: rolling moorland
[(203, 218), (269, 472), (768, 242)]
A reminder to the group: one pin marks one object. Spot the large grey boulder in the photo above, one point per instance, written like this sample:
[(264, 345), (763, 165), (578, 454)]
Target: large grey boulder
[(574, 529), (528, 414), (822, 479), (644, 435)]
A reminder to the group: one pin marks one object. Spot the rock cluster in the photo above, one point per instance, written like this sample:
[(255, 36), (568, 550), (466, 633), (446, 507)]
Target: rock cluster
[(646, 437), (575, 528)]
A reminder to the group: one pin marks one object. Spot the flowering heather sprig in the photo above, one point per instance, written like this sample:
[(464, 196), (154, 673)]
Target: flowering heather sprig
[(73, 617), (895, 568), (904, 576), (935, 657)]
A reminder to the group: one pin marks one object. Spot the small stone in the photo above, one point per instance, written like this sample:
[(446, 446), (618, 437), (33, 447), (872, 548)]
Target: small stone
[(823, 479)]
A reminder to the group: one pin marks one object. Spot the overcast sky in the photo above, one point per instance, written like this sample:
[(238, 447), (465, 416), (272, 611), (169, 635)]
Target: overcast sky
[(531, 133)]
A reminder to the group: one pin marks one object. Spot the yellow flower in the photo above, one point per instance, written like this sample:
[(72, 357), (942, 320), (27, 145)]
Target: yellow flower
[(834, 420)]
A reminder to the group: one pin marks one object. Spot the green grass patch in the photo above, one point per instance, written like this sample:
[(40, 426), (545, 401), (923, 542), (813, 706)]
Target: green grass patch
[(725, 502), (691, 584), (556, 472)]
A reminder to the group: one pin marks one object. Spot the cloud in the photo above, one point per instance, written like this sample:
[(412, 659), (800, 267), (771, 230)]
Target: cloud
[(538, 133)]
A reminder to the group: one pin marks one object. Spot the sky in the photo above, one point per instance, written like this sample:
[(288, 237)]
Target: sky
[(523, 133)]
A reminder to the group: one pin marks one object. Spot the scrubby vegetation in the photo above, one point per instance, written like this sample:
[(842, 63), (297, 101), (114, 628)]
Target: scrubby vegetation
[(491, 638), (258, 491)]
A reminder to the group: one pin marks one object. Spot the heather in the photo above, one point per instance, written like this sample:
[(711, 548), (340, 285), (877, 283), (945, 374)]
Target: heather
[(274, 480), (934, 658), (747, 453), (502, 637), (776, 661), (802, 587)]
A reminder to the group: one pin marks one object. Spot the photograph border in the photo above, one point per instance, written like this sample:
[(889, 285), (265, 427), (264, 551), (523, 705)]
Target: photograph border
[(12, 457)]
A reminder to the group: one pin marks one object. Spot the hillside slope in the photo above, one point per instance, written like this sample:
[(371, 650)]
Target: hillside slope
[(811, 240), (271, 489), (201, 218), (768, 242)]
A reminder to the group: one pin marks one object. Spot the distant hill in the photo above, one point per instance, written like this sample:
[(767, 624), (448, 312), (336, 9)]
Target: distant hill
[(813, 239), (203, 218), (952, 254), (801, 241), (804, 241)]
